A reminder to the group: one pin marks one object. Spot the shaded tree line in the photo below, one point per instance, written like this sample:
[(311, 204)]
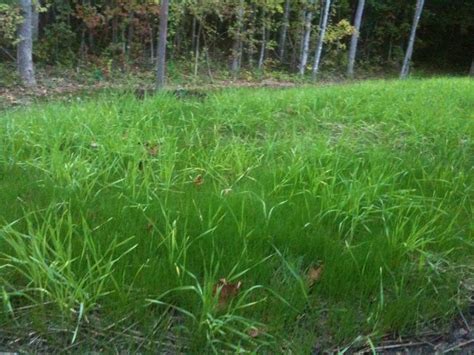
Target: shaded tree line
[(337, 36)]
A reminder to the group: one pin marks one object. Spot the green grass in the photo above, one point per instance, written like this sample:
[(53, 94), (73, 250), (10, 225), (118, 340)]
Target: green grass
[(105, 245)]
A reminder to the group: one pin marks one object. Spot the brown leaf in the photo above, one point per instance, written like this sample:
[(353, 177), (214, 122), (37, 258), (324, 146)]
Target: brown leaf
[(153, 150), (314, 274), (255, 332), (226, 291), (198, 180)]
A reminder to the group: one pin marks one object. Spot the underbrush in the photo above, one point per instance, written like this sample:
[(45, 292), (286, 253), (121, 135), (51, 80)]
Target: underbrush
[(335, 215)]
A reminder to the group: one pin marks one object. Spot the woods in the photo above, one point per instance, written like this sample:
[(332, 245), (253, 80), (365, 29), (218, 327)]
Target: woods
[(274, 35)]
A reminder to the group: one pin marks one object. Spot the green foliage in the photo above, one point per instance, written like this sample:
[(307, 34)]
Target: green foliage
[(55, 45), (10, 18)]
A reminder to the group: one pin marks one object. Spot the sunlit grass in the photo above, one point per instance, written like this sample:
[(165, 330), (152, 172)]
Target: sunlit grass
[(118, 213)]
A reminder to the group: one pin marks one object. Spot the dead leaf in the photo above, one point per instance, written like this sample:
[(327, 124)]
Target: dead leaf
[(198, 180), (255, 332), (226, 291), (153, 150), (314, 274)]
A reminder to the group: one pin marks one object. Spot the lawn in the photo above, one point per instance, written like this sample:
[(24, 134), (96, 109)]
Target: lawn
[(336, 215)]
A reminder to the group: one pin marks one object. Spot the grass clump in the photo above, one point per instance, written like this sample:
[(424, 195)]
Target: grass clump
[(120, 216)]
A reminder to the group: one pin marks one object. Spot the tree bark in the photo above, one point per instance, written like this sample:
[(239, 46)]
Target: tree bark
[(411, 41), (162, 40), (322, 34), (197, 50), (35, 20), (284, 31), (355, 38), (130, 34), (25, 46), (237, 47), (471, 71), (263, 45), (306, 38), (193, 35)]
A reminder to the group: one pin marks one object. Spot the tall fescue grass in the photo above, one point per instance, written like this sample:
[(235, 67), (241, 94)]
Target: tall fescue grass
[(118, 216)]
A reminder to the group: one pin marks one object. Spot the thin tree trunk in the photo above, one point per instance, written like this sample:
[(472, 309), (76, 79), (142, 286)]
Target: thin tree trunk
[(355, 38), (82, 47), (237, 47), (197, 51), (471, 71), (35, 20), (322, 34), (305, 43), (152, 45), (301, 33), (25, 46), (114, 30), (130, 34), (161, 52), (284, 31), (263, 45), (206, 52), (193, 35), (390, 49), (411, 42)]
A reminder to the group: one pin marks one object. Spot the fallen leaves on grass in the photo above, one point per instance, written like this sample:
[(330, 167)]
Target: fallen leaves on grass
[(152, 149), (226, 291), (314, 274), (256, 332), (198, 180)]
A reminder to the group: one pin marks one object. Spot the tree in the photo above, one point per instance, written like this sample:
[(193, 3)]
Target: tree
[(263, 45), (355, 38), (35, 19), (411, 41), (25, 45), (237, 46), (322, 33), (471, 71), (284, 30), (308, 18), (162, 41)]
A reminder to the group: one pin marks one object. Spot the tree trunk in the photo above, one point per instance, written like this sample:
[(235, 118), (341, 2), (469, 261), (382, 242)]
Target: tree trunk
[(471, 71), (305, 43), (355, 38), (263, 45), (411, 42), (322, 34), (197, 51), (161, 52), (130, 34), (284, 31), (193, 35), (152, 45), (35, 20), (237, 47), (25, 46)]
